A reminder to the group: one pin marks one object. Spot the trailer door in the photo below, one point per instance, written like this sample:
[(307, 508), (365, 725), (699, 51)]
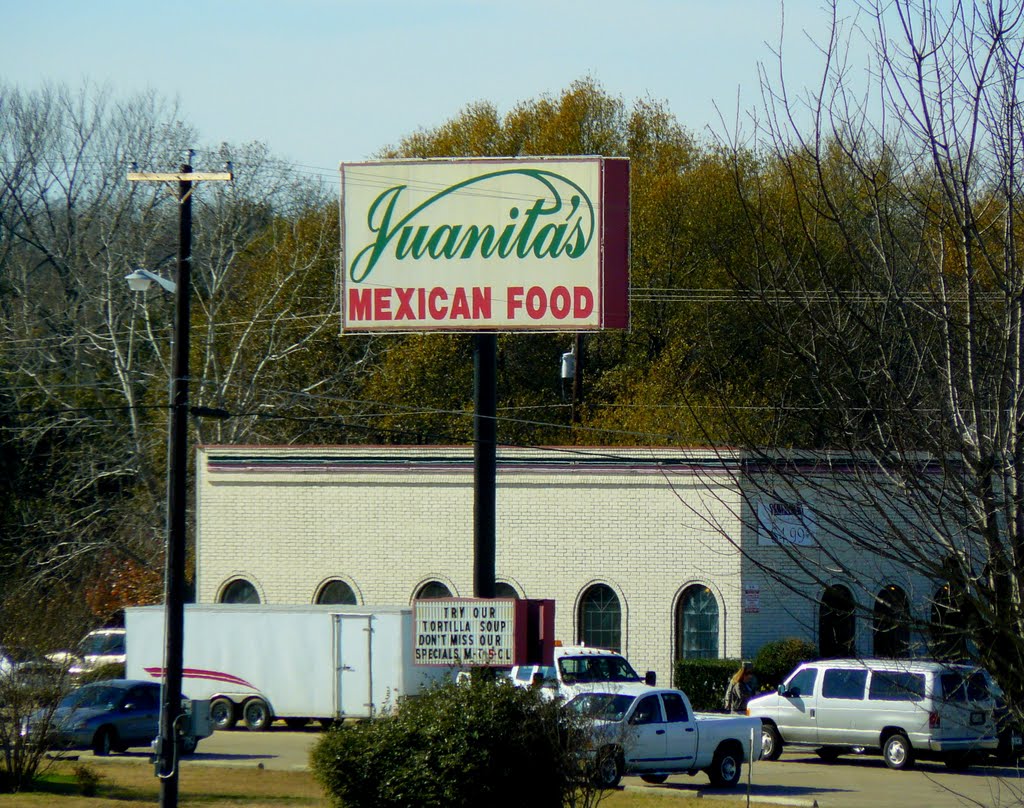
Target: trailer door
[(354, 664)]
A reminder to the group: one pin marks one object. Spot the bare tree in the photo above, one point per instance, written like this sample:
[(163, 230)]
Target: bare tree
[(86, 361), (883, 218)]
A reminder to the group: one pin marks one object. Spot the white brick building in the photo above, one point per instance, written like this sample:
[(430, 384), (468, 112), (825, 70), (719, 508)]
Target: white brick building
[(659, 550)]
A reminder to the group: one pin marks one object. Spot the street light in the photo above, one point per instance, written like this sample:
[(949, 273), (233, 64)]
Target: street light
[(171, 712), (141, 279)]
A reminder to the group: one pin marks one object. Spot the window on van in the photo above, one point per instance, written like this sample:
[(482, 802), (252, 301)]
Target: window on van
[(839, 683), (959, 688), (802, 685), (896, 686)]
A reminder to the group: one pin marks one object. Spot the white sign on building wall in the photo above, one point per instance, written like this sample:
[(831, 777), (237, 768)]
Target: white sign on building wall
[(513, 244), (786, 523), (457, 631)]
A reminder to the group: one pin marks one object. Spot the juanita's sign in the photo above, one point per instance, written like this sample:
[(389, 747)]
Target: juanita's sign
[(495, 245)]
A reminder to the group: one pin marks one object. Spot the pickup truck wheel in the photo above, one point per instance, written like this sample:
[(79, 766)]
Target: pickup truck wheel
[(726, 766), (222, 713), (771, 742), (656, 779), (897, 751), (608, 769), (189, 744), (257, 715)]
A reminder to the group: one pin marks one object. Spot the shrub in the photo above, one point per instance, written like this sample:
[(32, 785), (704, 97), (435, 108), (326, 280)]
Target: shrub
[(776, 659), (88, 780), (704, 681), (457, 745)]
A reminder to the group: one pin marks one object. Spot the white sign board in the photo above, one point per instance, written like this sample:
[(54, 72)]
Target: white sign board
[(786, 523), (513, 244), (456, 631), (752, 599)]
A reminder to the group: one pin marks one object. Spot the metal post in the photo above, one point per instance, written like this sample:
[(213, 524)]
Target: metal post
[(485, 442), (174, 581)]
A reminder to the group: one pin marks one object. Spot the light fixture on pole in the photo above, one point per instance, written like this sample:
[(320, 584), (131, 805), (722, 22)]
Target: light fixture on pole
[(171, 713), (141, 279)]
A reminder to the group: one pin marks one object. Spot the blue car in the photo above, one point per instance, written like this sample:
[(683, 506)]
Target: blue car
[(110, 716)]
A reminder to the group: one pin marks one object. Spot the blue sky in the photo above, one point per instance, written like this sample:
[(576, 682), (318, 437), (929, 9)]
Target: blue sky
[(324, 81)]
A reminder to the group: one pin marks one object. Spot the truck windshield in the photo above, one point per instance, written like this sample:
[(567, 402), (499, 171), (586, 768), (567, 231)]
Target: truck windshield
[(103, 645), (596, 669), (604, 706)]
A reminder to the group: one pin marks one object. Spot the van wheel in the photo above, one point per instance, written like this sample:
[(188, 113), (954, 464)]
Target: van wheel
[(222, 713), (897, 751), (726, 766), (257, 715), (771, 742)]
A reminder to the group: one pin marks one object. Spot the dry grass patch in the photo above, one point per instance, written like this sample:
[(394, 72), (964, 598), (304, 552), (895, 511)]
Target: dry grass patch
[(131, 785)]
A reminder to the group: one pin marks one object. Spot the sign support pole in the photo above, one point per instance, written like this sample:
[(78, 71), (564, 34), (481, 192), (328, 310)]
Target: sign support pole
[(485, 442)]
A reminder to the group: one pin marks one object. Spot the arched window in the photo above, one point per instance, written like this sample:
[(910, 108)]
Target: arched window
[(891, 623), (697, 624), (948, 625), (239, 591), (337, 593), (837, 624), (504, 590), (433, 589), (600, 618)]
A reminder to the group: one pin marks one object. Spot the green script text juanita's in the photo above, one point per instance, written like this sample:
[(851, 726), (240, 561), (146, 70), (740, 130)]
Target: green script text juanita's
[(557, 223)]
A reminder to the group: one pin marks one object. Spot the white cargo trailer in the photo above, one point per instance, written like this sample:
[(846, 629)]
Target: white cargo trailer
[(259, 663)]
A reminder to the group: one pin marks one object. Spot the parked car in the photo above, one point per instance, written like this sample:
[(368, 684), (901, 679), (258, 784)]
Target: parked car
[(113, 715), (902, 709), (103, 646), (579, 668), (654, 733)]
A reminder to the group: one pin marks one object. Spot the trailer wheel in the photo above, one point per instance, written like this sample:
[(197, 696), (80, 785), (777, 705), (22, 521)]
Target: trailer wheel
[(222, 713), (257, 715)]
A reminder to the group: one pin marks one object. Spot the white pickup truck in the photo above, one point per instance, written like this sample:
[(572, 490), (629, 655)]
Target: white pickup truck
[(578, 669), (653, 732)]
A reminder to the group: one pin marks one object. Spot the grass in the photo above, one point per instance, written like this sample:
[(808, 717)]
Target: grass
[(127, 785)]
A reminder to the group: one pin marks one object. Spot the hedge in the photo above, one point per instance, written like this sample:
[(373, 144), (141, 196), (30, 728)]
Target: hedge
[(705, 681)]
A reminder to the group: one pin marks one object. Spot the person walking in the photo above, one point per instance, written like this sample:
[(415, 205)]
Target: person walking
[(740, 689)]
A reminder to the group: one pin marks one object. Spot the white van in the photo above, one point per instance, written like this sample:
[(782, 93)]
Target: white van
[(903, 709)]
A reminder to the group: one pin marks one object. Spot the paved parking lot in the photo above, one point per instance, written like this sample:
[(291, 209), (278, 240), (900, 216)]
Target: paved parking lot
[(798, 778)]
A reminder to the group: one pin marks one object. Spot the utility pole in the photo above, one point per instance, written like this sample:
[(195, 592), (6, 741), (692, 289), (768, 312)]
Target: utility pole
[(485, 446), (168, 745)]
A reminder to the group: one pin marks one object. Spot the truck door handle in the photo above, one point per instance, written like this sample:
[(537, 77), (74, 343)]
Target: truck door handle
[(689, 729), (812, 712), (347, 668), (660, 732)]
